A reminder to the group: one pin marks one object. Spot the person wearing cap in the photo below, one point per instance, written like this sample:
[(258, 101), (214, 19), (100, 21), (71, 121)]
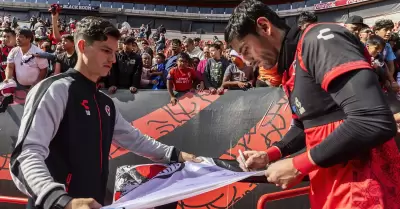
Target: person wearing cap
[(354, 24), (27, 69), (237, 74)]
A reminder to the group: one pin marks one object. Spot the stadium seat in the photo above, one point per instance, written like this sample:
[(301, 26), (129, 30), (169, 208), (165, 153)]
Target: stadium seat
[(128, 5), (149, 7), (193, 10), (284, 7), (297, 5), (311, 3), (181, 9), (84, 2), (116, 5), (105, 4), (218, 11), (74, 2), (171, 8), (138, 6), (95, 3), (228, 10), (273, 7), (42, 1), (55, 2), (17, 0), (160, 8), (204, 10)]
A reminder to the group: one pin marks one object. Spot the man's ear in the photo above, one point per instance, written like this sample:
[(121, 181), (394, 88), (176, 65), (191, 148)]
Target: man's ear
[(81, 45), (263, 26)]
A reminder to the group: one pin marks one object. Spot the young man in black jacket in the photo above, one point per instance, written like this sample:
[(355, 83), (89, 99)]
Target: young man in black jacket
[(126, 72), (61, 157)]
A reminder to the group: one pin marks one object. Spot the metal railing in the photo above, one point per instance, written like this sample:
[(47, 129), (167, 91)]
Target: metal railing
[(281, 195), (13, 200)]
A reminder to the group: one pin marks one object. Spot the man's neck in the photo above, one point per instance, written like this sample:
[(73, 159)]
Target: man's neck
[(70, 51), (25, 49), (84, 70)]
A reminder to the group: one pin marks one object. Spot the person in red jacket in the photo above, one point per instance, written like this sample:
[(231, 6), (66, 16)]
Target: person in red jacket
[(339, 112)]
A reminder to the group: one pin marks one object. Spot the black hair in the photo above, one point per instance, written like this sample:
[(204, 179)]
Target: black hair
[(195, 58), (93, 29), (376, 40), (197, 39), (243, 20), (307, 17), (26, 32), (129, 40), (183, 56), (384, 23), (216, 46), (161, 55), (9, 30), (68, 37), (189, 41), (176, 41)]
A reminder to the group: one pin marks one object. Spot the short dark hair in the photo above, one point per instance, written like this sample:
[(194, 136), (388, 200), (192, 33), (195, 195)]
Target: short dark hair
[(9, 30), (176, 41), (197, 39), (93, 29), (189, 41), (161, 55), (243, 20), (184, 56), (307, 17), (69, 37), (376, 40), (384, 23), (129, 40), (216, 46), (26, 32)]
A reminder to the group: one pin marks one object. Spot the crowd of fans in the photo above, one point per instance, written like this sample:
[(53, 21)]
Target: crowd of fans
[(147, 60)]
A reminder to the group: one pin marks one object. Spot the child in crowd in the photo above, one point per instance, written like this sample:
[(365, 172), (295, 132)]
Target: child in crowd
[(238, 75), (146, 82), (158, 72), (181, 78)]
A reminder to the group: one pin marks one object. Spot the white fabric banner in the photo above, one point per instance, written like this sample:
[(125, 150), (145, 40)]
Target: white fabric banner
[(180, 181)]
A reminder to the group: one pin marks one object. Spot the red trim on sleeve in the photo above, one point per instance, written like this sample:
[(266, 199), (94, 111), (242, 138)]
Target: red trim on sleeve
[(303, 164), (342, 69), (300, 47), (274, 154)]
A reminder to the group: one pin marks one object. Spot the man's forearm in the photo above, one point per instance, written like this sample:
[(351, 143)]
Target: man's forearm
[(169, 87), (9, 72), (293, 141), (390, 70)]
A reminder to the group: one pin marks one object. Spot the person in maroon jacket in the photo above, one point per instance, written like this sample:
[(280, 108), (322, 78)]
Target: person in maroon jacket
[(339, 112)]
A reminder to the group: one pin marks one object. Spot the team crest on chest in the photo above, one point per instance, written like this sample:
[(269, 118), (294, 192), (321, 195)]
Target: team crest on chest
[(108, 110)]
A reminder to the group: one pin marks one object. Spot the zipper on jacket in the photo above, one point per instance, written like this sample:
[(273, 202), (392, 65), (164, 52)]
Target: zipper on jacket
[(101, 134), (68, 181)]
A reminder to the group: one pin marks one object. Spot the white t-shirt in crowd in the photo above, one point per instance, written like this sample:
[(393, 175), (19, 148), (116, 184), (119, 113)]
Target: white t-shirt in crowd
[(197, 52), (27, 69)]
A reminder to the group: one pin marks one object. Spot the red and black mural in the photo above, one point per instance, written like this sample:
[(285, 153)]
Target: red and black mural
[(203, 124)]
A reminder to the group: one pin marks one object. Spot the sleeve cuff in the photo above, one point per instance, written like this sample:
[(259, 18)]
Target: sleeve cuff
[(52, 197), (175, 155), (274, 154), (303, 164)]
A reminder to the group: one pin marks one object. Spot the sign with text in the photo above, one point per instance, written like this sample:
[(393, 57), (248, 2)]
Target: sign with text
[(337, 3), (80, 7)]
